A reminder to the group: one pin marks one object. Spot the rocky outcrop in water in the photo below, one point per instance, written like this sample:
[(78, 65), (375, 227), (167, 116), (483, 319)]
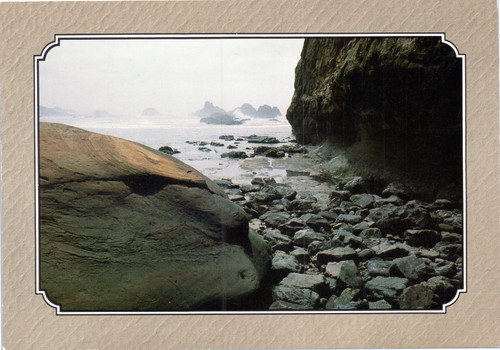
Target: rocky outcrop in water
[(54, 112), (393, 106), (208, 109), (222, 119), (215, 115), (150, 112), (125, 227), (168, 150), (264, 111)]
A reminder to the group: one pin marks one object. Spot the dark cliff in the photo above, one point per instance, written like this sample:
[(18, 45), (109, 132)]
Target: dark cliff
[(393, 105)]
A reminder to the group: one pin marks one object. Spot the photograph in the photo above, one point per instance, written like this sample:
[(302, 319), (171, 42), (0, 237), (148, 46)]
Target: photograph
[(255, 173)]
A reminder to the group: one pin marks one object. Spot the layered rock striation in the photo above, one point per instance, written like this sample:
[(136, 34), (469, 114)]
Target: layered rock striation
[(124, 227), (393, 104)]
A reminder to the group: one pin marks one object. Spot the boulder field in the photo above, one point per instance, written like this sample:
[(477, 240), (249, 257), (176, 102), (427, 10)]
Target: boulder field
[(128, 228), (361, 249)]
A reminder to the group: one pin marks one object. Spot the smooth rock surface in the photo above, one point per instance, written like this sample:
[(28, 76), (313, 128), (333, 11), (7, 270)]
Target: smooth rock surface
[(125, 227)]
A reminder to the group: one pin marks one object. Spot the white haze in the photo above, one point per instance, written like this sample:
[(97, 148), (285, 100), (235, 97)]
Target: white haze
[(174, 76)]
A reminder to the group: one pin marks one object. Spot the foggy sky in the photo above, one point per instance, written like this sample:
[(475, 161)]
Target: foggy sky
[(172, 76)]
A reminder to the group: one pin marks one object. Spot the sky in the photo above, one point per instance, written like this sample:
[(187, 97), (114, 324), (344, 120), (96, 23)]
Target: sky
[(174, 76)]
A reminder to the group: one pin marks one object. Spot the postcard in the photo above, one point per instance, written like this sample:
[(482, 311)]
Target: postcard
[(231, 185)]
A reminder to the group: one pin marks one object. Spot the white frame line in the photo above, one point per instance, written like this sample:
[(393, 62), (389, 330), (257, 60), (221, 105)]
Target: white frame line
[(56, 42)]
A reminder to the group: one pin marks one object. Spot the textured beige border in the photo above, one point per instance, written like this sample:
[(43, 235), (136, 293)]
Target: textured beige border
[(473, 321)]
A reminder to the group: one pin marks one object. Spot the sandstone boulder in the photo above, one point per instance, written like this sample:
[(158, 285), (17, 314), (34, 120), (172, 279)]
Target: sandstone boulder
[(124, 227)]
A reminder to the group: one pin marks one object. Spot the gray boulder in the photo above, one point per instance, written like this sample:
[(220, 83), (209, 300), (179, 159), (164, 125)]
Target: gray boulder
[(276, 236), (286, 191), (394, 200), (336, 254), (285, 305), (290, 227), (416, 297), (168, 150), (378, 267), (386, 286), (301, 254), (386, 250), (371, 233), (379, 305), (345, 301), (301, 280), (398, 219), (333, 269), (306, 298), (226, 137), (318, 246), (349, 218), (284, 263), (364, 200), (422, 238), (398, 190), (339, 195), (316, 222), (266, 195), (366, 254), (349, 274), (357, 185), (305, 237), (235, 154), (443, 288), (262, 139), (407, 267), (275, 219)]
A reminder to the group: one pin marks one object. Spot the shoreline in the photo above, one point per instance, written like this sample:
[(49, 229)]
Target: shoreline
[(301, 238), (349, 245)]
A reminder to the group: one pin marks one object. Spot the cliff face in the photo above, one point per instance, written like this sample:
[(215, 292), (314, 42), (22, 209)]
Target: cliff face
[(395, 103)]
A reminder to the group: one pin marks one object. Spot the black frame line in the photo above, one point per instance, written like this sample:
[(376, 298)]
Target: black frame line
[(187, 36)]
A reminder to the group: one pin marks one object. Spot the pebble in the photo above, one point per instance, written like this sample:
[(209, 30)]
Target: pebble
[(285, 263), (301, 280), (305, 237), (336, 254), (349, 218), (304, 297), (416, 297), (387, 286), (379, 305), (349, 274)]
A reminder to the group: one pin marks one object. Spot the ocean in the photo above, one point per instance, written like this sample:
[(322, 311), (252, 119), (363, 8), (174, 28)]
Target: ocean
[(174, 132)]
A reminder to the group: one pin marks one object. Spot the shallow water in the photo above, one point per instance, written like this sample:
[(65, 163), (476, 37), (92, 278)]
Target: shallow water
[(174, 132)]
